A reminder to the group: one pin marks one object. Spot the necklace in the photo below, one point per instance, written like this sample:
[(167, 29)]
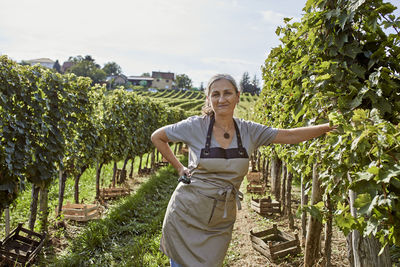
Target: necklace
[(226, 133)]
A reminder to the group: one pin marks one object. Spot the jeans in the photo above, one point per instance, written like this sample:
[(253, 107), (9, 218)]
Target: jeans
[(174, 264)]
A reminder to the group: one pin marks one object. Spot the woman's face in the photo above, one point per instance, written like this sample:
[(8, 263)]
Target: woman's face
[(223, 97)]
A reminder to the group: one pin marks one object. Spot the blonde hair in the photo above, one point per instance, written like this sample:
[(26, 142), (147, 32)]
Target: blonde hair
[(207, 109)]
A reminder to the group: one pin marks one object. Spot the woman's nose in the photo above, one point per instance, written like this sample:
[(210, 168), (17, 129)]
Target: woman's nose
[(221, 98)]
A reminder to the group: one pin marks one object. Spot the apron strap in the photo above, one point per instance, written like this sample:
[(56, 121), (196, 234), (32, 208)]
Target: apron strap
[(208, 139)]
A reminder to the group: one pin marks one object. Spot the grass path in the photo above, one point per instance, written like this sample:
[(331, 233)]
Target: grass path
[(130, 234)]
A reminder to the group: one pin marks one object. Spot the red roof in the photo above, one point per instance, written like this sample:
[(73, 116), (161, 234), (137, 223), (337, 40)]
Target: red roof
[(163, 75)]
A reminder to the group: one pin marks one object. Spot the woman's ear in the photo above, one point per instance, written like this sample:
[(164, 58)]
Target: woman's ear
[(238, 97)]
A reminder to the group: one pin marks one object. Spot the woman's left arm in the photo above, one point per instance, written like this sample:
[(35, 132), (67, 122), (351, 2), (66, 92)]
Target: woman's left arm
[(297, 135)]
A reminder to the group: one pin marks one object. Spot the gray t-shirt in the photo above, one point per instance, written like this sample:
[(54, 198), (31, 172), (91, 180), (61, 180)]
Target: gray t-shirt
[(193, 132)]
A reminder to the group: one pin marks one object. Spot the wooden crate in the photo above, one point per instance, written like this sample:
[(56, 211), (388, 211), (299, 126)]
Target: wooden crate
[(20, 247), (114, 192), (256, 188), (265, 206), (80, 212), (162, 163), (274, 244), (144, 171), (254, 176)]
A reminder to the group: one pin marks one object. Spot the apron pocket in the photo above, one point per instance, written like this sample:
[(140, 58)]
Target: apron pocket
[(200, 208), (212, 211)]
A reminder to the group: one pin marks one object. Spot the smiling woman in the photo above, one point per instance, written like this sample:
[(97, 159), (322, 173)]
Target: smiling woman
[(198, 224)]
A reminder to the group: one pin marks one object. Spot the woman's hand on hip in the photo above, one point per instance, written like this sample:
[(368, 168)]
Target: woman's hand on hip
[(184, 171)]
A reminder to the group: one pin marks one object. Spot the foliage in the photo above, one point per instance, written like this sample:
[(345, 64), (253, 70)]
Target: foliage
[(183, 81), (249, 86), (37, 109), (112, 69), (50, 121), (87, 67), (338, 63), (145, 74), (130, 234), (57, 66)]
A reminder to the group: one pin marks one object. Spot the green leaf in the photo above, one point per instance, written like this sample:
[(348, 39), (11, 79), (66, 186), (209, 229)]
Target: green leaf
[(343, 19), (363, 202), (387, 175), (355, 4), (374, 170), (358, 69), (351, 50)]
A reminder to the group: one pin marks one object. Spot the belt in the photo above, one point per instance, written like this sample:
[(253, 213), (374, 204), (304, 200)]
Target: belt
[(223, 190)]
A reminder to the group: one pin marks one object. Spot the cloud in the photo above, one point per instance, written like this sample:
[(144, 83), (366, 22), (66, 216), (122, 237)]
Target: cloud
[(275, 18), (227, 61), (199, 38)]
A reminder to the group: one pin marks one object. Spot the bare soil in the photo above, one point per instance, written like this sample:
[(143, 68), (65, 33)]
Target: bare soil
[(242, 254)]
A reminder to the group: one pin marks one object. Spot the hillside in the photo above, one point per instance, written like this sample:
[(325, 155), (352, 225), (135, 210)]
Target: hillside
[(193, 101)]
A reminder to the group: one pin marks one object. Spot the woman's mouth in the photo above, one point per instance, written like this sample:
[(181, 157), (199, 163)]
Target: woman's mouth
[(223, 106)]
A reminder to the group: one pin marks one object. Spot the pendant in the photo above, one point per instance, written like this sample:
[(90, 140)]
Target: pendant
[(226, 135)]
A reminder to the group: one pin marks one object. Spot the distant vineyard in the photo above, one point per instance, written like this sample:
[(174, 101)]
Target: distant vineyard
[(193, 101)]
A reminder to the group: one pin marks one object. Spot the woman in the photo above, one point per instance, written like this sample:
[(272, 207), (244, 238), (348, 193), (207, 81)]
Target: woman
[(199, 219)]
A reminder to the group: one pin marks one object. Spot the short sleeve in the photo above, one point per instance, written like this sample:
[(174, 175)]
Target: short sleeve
[(181, 131), (261, 135)]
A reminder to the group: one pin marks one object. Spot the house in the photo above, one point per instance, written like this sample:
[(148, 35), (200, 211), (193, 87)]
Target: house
[(141, 80), (163, 80), (66, 65), (45, 62), (116, 80)]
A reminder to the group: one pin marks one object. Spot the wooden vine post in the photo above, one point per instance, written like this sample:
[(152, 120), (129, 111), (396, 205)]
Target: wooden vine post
[(328, 231), (283, 188), (276, 168), (132, 167), (98, 174), (7, 220), (33, 206), (304, 202), (43, 209), (314, 228), (365, 249), (61, 183), (289, 200)]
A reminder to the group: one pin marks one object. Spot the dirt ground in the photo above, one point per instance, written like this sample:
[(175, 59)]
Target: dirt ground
[(242, 254)]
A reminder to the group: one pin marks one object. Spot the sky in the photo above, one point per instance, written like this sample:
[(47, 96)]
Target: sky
[(198, 38)]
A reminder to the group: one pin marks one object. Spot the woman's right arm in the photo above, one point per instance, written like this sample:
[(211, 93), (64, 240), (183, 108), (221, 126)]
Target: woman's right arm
[(160, 141)]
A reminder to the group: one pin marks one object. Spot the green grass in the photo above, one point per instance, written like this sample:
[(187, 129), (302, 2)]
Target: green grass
[(130, 234), (20, 209)]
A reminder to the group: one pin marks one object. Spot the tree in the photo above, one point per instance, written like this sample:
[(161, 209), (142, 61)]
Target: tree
[(24, 63), (249, 86), (201, 86), (183, 81), (255, 83), (245, 84), (87, 67), (145, 74), (338, 63), (57, 66), (112, 69)]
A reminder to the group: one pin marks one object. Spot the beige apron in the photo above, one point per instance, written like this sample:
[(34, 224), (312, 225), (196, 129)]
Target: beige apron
[(199, 219)]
